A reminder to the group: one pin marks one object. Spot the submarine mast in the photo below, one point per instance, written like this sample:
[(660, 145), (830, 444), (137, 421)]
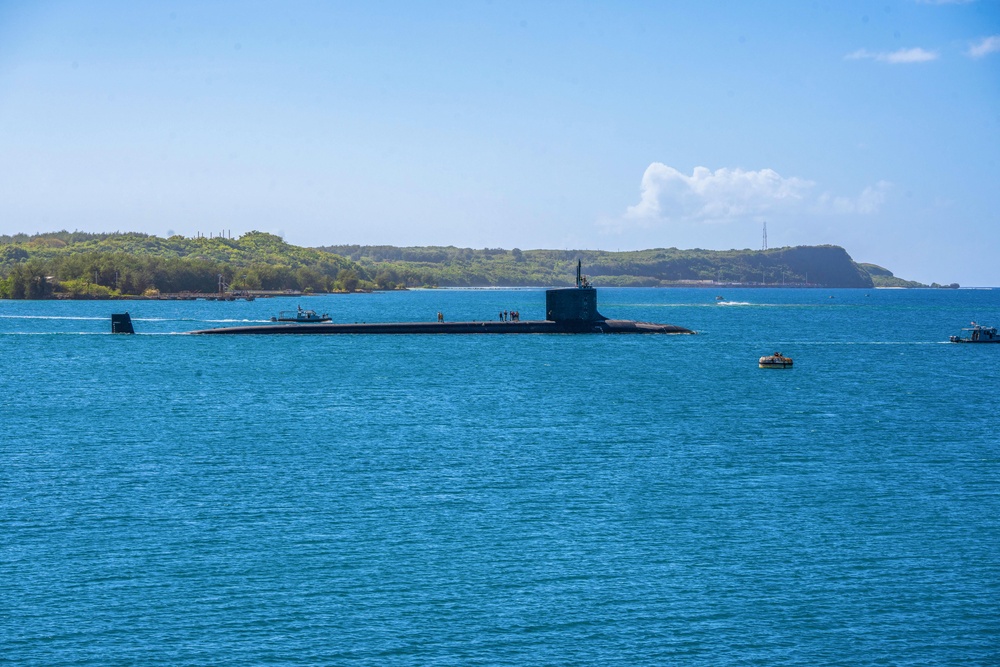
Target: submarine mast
[(581, 280), (574, 307)]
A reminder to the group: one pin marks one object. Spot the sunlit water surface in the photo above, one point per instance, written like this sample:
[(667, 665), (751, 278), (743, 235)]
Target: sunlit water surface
[(545, 499)]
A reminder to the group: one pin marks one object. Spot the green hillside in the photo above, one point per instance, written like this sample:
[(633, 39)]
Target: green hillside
[(450, 266), (883, 277), (107, 265), (81, 265)]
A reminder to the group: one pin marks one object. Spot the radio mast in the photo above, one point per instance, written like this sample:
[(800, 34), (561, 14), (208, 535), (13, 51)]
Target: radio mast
[(764, 246)]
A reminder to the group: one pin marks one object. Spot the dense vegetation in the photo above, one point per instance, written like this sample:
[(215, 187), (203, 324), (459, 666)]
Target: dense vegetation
[(78, 264), (449, 266), (883, 277)]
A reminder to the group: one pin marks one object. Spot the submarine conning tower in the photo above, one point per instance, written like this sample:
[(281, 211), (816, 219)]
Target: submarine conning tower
[(573, 304)]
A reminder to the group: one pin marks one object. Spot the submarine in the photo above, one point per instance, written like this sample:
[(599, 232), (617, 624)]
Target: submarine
[(569, 310)]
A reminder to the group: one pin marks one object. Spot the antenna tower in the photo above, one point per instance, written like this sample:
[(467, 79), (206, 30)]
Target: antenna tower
[(764, 247)]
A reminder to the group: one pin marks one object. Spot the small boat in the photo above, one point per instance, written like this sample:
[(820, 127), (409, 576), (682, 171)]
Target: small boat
[(776, 360), (300, 316), (720, 298), (977, 334)]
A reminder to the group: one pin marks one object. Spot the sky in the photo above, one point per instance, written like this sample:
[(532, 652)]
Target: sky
[(619, 125)]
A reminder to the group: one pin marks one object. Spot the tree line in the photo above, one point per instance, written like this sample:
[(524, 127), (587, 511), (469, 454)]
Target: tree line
[(451, 266), (82, 264), (77, 264)]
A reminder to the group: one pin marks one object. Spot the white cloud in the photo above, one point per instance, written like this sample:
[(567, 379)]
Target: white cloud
[(916, 55), (902, 56), (718, 195), (667, 195), (985, 46), (869, 201), (872, 198)]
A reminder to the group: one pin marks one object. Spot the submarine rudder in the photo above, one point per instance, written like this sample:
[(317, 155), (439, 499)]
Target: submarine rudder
[(121, 323)]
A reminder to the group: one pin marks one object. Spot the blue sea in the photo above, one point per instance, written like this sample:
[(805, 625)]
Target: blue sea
[(503, 500)]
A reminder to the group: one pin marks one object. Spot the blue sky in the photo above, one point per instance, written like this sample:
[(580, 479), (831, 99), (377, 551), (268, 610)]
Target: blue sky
[(612, 125)]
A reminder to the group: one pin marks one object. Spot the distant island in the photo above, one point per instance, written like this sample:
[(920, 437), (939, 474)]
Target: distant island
[(800, 266), (84, 265)]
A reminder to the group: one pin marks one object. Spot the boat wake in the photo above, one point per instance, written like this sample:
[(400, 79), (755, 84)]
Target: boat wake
[(55, 333), (230, 320), (48, 317), (863, 342), (89, 333), (135, 319)]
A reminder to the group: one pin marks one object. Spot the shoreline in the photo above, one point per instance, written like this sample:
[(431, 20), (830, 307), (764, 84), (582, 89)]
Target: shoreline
[(200, 297)]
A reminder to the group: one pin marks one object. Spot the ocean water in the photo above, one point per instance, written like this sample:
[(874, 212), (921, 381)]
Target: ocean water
[(503, 500)]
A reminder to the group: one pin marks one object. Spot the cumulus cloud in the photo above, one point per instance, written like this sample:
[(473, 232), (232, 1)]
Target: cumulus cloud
[(666, 194), (900, 57), (984, 47), (713, 195)]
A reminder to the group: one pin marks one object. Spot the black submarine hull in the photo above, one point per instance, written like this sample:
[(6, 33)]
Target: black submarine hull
[(525, 327), (567, 311)]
